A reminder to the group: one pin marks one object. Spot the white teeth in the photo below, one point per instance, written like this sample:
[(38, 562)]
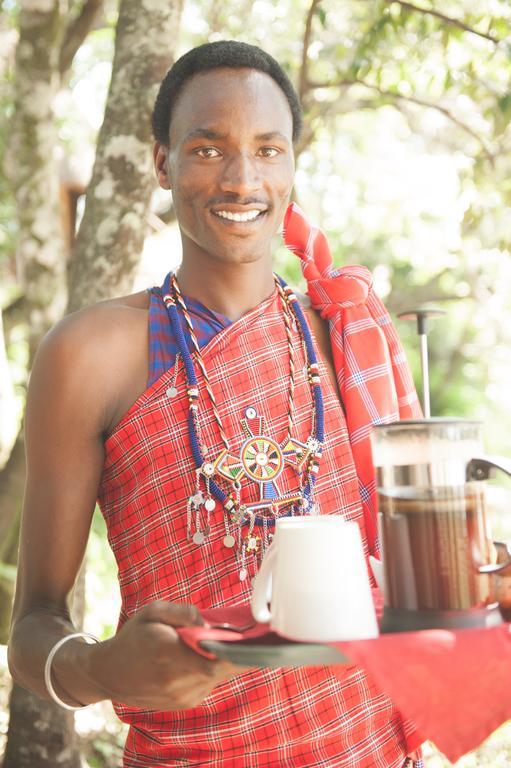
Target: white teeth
[(248, 216)]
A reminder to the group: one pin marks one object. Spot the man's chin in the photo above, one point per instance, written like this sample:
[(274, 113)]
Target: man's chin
[(225, 250), (239, 251)]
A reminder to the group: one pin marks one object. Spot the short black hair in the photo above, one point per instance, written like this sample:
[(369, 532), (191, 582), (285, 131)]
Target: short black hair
[(224, 53)]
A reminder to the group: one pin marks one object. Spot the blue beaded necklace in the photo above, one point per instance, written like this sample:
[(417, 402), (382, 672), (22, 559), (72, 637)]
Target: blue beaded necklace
[(261, 459)]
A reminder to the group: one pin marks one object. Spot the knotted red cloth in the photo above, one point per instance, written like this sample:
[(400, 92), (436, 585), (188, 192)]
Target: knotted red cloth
[(372, 371)]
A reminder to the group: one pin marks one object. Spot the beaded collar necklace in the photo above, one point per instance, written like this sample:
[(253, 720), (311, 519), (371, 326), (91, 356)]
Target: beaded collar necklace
[(261, 459)]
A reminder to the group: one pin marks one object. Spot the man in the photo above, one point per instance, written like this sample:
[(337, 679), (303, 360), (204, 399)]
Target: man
[(153, 428)]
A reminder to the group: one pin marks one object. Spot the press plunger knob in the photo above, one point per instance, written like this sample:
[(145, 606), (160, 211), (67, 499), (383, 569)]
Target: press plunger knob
[(422, 315)]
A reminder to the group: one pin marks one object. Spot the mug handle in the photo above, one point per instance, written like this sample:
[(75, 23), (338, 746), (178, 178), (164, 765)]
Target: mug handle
[(481, 468), (259, 601)]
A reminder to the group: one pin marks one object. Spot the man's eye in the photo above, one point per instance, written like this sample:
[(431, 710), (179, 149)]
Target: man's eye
[(208, 152), (269, 151)]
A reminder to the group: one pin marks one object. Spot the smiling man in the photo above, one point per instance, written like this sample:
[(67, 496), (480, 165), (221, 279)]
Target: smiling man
[(212, 410)]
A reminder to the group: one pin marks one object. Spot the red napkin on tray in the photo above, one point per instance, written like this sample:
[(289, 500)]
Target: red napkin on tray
[(454, 685)]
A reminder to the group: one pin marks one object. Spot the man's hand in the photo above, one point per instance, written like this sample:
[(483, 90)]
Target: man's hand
[(146, 665)]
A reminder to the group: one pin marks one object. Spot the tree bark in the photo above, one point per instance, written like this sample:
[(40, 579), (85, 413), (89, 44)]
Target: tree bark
[(76, 31), (32, 171), (112, 233), (43, 54), (40, 734), (32, 168), (108, 247)]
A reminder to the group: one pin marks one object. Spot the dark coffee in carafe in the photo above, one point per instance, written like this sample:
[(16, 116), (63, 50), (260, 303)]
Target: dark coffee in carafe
[(434, 541)]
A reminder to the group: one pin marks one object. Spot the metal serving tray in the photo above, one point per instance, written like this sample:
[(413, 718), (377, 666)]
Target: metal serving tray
[(284, 654)]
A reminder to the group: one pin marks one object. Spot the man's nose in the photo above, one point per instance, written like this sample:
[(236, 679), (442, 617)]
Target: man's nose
[(240, 175)]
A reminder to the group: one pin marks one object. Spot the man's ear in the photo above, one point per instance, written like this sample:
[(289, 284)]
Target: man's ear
[(161, 165)]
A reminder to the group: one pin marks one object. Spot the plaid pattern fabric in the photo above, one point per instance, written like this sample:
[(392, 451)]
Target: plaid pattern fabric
[(372, 371), (163, 345), (309, 716)]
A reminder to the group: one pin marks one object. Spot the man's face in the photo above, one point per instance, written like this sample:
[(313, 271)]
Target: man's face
[(230, 164)]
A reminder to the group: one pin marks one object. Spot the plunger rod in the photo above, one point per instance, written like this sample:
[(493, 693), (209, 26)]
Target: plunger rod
[(422, 315), (426, 407)]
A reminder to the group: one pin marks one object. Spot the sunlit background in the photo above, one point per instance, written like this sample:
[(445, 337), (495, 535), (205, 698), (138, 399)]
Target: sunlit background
[(405, 164)]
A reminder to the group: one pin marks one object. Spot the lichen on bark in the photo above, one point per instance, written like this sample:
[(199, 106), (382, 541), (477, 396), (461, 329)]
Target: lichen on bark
[(113, 229), (31, 167)]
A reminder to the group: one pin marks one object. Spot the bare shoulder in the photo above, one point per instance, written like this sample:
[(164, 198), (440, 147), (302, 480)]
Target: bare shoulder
[(95, 331), (139, 300), (99, 353)]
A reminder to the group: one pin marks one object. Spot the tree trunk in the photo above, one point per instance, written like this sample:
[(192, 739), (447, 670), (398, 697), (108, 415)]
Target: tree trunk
[(112, 232), (32, 167), (47, 40), (33, 175), (41, 735)]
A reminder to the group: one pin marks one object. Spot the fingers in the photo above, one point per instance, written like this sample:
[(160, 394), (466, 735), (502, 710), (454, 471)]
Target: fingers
[(181, 615), (174, 614)]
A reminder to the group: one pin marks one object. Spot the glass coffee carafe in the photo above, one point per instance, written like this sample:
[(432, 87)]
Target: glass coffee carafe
[(439, 560)]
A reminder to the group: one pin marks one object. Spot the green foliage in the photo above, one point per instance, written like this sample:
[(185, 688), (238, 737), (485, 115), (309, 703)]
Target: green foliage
[(102, 590), (322, 16), (8, 572), (103, 749)]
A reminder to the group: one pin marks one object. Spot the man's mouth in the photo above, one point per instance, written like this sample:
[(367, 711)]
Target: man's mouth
[(252, 214)]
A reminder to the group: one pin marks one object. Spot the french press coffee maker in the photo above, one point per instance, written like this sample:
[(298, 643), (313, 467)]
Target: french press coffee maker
[(440, 563), (441, 567)]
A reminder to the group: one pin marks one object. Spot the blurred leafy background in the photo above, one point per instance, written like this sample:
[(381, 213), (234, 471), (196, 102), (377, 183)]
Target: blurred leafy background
[(405, 162)]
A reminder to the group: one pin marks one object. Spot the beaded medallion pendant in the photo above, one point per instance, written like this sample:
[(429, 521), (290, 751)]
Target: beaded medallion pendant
[(261, 458)]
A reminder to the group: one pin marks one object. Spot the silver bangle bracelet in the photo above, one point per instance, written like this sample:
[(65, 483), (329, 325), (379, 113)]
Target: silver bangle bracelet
[(49, 661)]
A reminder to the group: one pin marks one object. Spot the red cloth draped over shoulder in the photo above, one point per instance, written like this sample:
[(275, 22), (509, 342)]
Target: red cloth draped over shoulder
[(372, 371)]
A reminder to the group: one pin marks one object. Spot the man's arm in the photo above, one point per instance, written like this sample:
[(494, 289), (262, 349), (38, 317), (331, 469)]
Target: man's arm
[(71, 398)]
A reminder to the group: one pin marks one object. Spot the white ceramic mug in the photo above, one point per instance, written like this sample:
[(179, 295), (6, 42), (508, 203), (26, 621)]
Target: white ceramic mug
[(315, 576)]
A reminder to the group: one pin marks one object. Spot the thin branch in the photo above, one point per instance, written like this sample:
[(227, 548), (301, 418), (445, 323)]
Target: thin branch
[(304, 68), (317, 110), (76, 32), (445, 19), (412, 99)]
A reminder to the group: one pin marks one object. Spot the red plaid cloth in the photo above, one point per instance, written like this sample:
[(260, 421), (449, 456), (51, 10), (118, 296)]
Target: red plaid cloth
[(309, 716), (374, 379)]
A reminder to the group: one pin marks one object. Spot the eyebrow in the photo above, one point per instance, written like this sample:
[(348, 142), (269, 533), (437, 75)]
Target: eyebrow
[(272, 135), (204, 133), (207, 133)]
